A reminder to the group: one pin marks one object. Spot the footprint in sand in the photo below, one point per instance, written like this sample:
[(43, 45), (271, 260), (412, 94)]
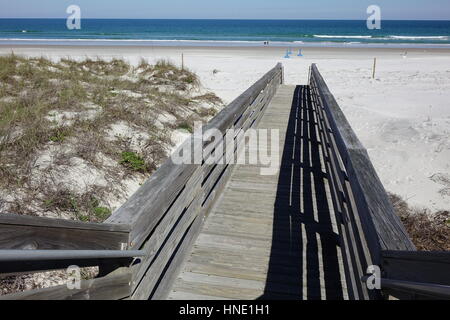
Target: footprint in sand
[(397, 130), (444, 180)]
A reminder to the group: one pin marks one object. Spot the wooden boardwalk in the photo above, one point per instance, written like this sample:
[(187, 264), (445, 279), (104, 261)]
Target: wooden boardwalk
[(272, 237), (313, 230)]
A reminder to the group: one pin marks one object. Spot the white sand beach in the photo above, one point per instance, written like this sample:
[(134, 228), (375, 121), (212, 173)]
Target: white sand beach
[(402, 116)]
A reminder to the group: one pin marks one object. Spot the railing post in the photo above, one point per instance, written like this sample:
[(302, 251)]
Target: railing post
[(309, 76)]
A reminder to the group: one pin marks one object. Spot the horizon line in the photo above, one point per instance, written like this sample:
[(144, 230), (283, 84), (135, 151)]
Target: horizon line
[(235, 19)]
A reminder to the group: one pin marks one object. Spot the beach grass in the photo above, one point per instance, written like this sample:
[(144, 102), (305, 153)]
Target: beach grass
[(428, 231), (58, 117)]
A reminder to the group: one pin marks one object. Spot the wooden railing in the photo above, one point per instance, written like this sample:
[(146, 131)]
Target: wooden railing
[(140, 248), (371, 233)]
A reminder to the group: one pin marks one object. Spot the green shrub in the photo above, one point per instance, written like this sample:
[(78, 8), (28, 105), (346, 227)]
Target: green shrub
[(185, 126), (133, 161), (102, 213)]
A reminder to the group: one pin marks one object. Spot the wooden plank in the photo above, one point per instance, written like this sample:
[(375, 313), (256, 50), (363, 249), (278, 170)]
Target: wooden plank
[(218, 290), (180, 295), (230, 288), (112, 287), (409, 290), (14, 219), (193, 279), (164, 227), (166, 283), (37, 233), (162, 259), (417, 266)]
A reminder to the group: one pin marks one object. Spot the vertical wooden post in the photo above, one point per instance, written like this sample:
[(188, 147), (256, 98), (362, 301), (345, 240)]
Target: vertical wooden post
[(309, 76), (374, 67), (182, 61)]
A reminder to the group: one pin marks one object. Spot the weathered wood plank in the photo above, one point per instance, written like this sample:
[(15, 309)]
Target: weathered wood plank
[(14, 219), (180, 295), (417, 266), (164, 227), (162, 259), (25, 232), (112, 287), (169, 277), (409, 290)]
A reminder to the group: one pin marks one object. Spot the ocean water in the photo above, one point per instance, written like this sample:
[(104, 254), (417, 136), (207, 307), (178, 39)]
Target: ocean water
[(227, 32)]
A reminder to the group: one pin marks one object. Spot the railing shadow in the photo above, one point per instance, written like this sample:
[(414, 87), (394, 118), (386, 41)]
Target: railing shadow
[(304, 252)]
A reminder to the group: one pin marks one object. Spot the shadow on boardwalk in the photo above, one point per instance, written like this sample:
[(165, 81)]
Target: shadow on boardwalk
[(304, 253)]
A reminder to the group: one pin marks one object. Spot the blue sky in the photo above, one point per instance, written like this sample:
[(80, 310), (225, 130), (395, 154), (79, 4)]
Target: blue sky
[(228, 9)]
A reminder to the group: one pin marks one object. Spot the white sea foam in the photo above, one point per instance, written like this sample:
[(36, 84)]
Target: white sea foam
[(393, 37), (121, 40), (327, 41), (341, 37), (419, 37)]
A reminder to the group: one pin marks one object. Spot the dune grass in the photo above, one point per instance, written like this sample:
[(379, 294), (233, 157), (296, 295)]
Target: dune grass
[(429, 231), (65, 109)]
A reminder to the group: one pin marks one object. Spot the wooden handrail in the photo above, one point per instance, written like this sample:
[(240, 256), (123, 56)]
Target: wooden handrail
[(371, 232), (415, 290), (40, 233), (417, 273), (373, 201), (368, 223)]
